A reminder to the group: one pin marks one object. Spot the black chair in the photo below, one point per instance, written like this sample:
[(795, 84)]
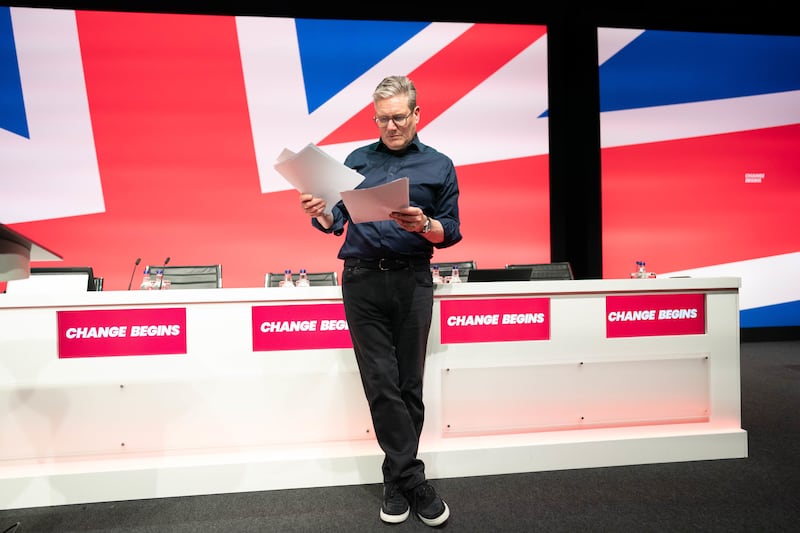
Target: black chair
[(547, 271), (446, 268), (192, 277), (315, 279)]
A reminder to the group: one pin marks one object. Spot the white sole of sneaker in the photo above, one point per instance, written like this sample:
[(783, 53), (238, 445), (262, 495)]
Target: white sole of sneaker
[(394, 518), (439, 520)]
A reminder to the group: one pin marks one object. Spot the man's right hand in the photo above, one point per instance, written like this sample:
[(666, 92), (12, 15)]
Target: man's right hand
[(315, 207)]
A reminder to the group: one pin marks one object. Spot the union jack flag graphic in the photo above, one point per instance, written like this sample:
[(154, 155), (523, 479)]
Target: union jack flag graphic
[(128, 135), (700, 169)]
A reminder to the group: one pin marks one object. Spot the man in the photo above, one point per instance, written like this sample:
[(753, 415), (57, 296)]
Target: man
[(387, 289)]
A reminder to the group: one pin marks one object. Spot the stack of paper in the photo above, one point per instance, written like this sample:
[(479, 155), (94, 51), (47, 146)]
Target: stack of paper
[(313, 171)]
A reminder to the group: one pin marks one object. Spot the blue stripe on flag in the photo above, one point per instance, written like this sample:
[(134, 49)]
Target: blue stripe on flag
[(672, 67), (333, 53), (12, 104)]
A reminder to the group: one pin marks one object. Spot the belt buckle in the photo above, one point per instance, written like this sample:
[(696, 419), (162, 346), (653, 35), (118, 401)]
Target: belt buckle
[(380, 264)]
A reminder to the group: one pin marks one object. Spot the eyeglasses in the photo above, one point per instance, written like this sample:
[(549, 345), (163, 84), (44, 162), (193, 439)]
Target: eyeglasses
[(399, 120)]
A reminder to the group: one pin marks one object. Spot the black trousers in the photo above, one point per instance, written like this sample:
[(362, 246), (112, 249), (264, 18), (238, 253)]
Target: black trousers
[(389, 316)]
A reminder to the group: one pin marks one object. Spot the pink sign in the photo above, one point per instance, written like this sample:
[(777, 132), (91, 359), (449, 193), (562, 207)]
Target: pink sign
[(508, 319), (300, 327), (655, 314), (113, 332)]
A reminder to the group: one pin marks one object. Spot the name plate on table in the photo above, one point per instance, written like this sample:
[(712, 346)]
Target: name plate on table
[(115, 332), (300, 327), (501, 320), (650, 315)]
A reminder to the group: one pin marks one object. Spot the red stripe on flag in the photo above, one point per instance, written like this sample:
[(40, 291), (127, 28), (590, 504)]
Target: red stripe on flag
[(174, 147), (687, 203)]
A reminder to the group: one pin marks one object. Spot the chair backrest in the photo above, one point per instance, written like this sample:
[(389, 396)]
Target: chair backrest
[(315, 279), (192, 277), (547, 271), (446, 268)]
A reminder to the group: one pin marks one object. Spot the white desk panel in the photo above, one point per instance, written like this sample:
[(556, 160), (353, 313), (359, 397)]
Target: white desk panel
[(225, 418)]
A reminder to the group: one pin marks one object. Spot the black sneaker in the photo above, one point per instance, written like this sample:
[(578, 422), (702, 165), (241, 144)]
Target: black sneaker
[(430, 508), (395, 506)]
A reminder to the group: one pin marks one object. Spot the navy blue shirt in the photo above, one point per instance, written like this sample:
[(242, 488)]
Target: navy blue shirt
[(432, 186)]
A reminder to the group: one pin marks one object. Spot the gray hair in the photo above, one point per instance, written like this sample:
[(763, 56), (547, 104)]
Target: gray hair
[(396, 85)]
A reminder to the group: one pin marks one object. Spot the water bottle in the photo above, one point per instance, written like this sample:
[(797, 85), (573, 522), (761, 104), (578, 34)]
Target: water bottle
[(287, 279), (454, 277), (435, 274), (641, 272), (635, 273), (302, 279), (159, 278), (147, 282)]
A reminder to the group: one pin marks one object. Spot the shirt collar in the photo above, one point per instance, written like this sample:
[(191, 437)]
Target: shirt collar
[(414, 145)]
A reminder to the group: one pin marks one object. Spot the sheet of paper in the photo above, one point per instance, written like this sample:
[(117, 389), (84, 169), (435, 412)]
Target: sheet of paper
[(375, 203), (311, 170)]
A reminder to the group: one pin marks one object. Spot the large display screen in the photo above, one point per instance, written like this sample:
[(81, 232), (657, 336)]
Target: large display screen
[(152, 135), (700, 168)]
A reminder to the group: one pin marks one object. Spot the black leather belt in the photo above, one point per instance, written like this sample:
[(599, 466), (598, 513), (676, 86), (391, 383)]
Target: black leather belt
[(387, 263)]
